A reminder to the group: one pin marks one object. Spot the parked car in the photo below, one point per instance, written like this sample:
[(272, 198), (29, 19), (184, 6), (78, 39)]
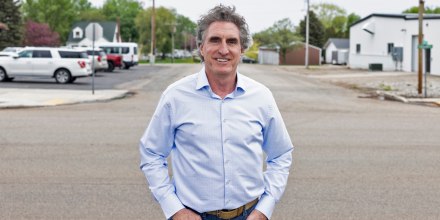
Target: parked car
[(63, 64), (114, 60), (128, 51), (246, 59), (98, 58), (10, 51)]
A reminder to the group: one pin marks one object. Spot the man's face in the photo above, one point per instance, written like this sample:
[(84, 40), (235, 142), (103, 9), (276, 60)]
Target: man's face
[(221, 48)]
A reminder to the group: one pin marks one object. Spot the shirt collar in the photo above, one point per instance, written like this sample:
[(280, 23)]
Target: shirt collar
[(202, 81)]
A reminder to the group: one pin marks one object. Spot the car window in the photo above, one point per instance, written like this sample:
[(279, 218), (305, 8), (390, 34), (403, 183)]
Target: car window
[(91, 52), (102, 53), (135, 50), (72, 54), (112, 50), (41, 54), (125, 50), (25, 54)]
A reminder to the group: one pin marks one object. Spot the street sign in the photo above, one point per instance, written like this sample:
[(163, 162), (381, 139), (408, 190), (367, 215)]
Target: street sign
[(425, 45), (428, 46)]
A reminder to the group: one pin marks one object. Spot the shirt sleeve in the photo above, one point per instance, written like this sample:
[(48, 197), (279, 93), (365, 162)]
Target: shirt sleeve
[(278, 148), (155, 146)]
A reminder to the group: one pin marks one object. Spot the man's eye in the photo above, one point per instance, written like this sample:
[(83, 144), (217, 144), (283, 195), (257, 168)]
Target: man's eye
[(232, 41), (214, 40)]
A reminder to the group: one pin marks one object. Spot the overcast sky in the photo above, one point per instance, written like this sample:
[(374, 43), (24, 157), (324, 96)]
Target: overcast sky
[(261, 14)]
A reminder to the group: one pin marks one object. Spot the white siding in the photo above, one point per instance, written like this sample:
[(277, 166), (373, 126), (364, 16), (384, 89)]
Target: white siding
[(328, 52), (398, 31)]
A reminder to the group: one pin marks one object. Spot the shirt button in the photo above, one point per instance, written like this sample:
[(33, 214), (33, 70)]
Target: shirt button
[(224, 120), (227, 161), (227, 182)]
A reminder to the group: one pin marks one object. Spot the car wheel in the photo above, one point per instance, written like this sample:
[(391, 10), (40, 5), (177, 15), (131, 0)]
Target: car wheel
[(111, 67), (3, 75), (63, 76), (125, 66)]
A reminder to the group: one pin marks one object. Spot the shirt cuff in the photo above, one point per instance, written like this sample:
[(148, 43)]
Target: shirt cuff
[(170, 205), (266, 205)]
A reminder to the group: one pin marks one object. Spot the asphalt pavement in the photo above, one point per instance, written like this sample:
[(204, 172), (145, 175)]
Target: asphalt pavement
[(358, 79)]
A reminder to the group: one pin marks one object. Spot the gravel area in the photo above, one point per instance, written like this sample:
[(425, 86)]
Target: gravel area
[(403, 84)]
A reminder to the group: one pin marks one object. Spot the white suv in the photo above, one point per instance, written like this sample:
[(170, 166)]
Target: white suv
[(99, 57), (63, 64)]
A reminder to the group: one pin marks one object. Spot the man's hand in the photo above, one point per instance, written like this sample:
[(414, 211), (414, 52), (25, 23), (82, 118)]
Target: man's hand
[(186, 214), (256, 215)]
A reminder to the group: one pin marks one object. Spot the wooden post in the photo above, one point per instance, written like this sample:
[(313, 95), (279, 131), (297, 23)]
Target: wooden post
[(420, 73)]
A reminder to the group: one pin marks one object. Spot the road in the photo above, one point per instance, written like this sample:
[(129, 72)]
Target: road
[(354, 158)]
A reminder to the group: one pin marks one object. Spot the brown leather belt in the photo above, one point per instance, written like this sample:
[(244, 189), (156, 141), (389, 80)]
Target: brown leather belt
[(228, 214)]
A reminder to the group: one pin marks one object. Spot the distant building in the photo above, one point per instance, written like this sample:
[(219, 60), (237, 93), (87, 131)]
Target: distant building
[(269, 55), (81, 33), (391, 41), (336, 50), (294, 56)]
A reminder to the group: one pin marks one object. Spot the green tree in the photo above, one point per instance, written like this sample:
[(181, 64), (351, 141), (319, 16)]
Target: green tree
[(126, 11), (10, 15), (428, 10), (59, 14), (327, 12), (316, 30), (92, 14), (281, 34), (166, 21), (185, 32), (351, 19)]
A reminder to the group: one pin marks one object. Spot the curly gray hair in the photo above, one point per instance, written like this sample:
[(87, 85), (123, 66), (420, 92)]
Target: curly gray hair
[(223, 13)]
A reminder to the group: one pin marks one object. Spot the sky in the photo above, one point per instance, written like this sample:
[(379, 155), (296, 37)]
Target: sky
[(262, 14)]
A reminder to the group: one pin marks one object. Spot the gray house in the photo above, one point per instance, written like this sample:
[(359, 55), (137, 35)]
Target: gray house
[(336, 50), (81, 33)]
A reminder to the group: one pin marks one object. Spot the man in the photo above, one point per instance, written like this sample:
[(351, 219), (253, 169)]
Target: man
[(216, 125)]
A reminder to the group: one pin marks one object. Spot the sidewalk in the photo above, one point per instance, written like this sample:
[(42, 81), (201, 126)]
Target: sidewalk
[(19, 98)]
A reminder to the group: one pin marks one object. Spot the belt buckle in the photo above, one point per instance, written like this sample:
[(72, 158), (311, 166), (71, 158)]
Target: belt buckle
[(218, 213)]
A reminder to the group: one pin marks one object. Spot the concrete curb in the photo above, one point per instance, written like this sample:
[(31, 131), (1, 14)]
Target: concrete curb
[(391, 96), (22, 98)]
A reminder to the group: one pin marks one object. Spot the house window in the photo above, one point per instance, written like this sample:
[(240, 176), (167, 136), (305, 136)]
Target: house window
[(358, 48), (77, 33), (390, 48)]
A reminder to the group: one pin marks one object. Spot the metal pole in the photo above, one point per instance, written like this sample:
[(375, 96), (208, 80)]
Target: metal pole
[(172, 42), (420, 73), (153, 35), (93, 60), (307, 37)]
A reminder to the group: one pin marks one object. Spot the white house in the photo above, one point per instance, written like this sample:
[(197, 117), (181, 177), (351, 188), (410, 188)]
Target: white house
[(392, 40), (81, 33), (336, 50)]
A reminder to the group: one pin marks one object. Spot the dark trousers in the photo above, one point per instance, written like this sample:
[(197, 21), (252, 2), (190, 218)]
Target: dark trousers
[(243, 216)]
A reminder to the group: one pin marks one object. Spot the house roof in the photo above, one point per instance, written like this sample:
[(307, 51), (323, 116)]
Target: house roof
[(399, 16), (340, 43), (109, 30)]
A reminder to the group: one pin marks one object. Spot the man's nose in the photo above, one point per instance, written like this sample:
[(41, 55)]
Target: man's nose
[(223, 48)]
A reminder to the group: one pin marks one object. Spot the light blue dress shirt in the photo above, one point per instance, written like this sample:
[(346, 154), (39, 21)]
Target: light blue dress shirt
[(216, 147)]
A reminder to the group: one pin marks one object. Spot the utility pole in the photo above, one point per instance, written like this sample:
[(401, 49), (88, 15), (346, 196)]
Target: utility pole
[(420, 73), (153, 35), (306, 60)]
